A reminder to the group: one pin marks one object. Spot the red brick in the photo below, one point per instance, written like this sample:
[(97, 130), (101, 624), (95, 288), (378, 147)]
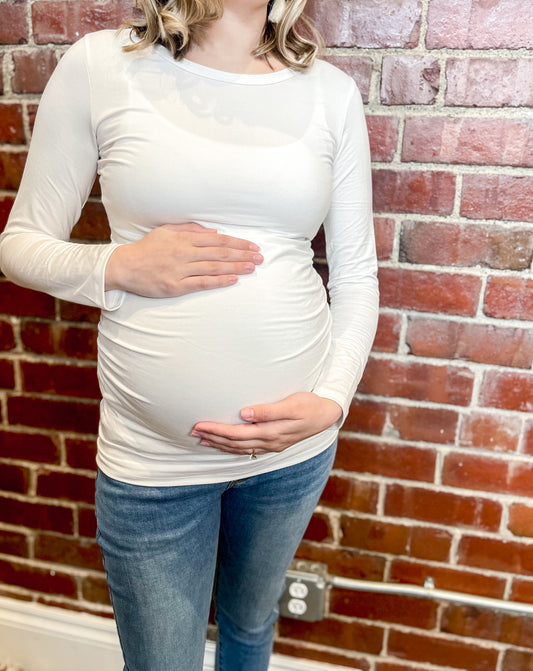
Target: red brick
[(444, 577), (395, 461), (95, 589), (472, 141), (36, 515), (429, 292), (485, 474), (64, 22), (521, 520), (11, 167), (378, 23), (15, 300), (40, 580), (388, 333), (81, 553), (442, 651), (408, 611), (522, 590), (10, 593), (11, 126), (373, 535), (7, 375), (6, 203), (64, 380), (339, 634), (490, 431), (32, 70), (87, 522), (489, 82), (509, 298), (67, 486), (60, 339), (442, 507), (319, 529), (429, 543), (74, 312), (13, 24), (61, 415), (81, 453), (425, 192), (28, 446), (351, 494), (366, 416), (93, 224), (7, 337), (483, 343), (528, 438), (303, 649), (409, 80), (470, 24), (503, 197), (496, 554), (358, 67), (344, 561), (420, 381), (383, 134), (384, 230), (517, 660), (32, 112), (485, 624), (13, 543), (476, 472), (507, 390), (433, 425), (521, 478), (444, 244), (14, 478)]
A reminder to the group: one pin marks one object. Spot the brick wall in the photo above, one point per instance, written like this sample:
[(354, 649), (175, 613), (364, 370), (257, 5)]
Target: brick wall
[(434, 475)]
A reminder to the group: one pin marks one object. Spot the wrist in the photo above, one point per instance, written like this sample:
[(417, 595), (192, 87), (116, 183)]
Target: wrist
[(114, 277), (332, 411)]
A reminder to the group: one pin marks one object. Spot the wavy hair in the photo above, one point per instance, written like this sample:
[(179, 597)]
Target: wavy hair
[(176, 24)]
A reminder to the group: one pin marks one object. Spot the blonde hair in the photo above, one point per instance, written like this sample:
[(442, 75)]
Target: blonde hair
[(176, 24)]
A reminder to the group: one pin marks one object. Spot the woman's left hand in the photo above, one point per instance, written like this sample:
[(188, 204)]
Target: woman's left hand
[(271, 427)]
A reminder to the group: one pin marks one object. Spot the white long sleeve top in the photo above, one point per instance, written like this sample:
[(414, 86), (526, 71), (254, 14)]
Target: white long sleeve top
[(267, 157)]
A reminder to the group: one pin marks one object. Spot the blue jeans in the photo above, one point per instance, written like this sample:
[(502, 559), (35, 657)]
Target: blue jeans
[(165, 547)]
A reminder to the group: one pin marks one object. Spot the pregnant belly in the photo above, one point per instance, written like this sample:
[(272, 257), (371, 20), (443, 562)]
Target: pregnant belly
[(169, 363)]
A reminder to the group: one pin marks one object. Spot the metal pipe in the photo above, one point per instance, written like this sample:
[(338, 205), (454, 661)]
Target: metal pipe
[(428, 591)]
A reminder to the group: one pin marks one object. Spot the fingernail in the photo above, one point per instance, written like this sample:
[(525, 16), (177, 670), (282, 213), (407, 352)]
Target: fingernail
[(253, 248), (195, 434), (249, 267), (247, 413), (205, 442), (258, 258)]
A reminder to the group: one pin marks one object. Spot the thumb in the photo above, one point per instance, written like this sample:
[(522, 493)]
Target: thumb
[(266, 413)]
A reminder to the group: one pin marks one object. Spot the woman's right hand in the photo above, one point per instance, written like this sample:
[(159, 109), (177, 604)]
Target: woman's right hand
[(177, 259)]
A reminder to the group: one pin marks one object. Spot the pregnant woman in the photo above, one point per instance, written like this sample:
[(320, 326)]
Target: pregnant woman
[(222, 143)]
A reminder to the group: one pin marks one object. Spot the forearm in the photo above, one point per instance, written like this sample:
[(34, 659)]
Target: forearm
[(71, 271), (354, 321)]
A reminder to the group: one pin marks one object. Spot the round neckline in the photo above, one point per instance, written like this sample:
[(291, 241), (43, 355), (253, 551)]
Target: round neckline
[(224, 75)]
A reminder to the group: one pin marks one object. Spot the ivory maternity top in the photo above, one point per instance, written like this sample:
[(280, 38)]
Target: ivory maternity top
[(267, 157)]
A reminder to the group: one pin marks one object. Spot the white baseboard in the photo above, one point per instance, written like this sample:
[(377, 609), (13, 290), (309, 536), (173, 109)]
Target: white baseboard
[(34, 637)]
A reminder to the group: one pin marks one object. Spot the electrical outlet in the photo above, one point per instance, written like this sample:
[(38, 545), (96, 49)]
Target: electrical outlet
[(305, 591)]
